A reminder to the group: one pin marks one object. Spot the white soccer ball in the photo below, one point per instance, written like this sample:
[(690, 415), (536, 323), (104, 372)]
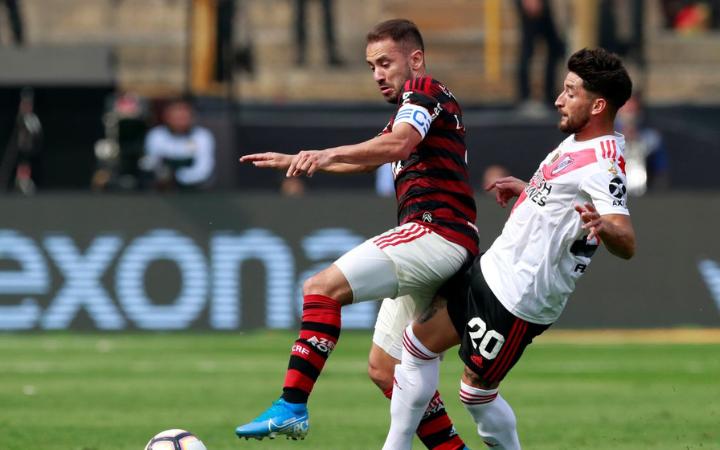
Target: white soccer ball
[(175, 440)]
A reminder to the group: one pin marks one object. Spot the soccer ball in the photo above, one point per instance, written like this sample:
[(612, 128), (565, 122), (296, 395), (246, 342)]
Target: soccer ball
[(175, 440)]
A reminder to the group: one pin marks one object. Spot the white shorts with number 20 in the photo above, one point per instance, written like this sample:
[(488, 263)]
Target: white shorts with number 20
[(405, 266)]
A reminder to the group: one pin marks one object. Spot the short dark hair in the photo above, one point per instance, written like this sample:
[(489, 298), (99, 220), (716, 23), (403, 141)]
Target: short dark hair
[(603, 74), (402, 31)]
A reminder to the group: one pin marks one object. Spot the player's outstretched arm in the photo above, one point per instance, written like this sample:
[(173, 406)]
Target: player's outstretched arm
[(282, 161), (506, 188), (390, 147), (269, 160), (615, 230)]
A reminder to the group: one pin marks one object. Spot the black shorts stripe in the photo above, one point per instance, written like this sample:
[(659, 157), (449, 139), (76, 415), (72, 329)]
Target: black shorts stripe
[(510, 342), (512, 354)]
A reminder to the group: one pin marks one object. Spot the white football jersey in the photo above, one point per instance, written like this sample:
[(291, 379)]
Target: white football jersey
[(533, 265)]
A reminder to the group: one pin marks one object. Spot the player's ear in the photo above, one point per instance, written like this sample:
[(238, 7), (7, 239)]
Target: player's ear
[(599, 105), (417, 59)]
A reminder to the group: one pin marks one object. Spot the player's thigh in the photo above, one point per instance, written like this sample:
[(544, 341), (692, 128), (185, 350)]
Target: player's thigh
[(370, 273), (407, 260), (394, 316), (434, 328), (424, 259)]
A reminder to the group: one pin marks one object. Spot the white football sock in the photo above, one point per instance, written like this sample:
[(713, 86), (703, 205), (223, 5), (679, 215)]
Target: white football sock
[(494, 417), (416, 380)]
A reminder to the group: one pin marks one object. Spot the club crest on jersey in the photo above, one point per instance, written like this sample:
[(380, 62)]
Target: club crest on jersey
[(562, 165), (612, 169), (427, 217)]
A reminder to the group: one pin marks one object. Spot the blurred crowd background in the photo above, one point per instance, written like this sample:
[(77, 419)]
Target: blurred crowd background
[(165, 95)]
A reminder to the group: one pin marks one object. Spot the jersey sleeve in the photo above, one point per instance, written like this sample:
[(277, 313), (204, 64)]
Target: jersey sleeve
[(419, 107), (608, 191)]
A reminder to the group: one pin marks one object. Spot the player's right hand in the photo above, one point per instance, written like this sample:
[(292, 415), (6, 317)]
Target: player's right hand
[(506, 188), (270, 160)]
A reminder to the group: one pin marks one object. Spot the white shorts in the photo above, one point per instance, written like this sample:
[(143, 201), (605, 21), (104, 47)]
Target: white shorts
[(406, 264)]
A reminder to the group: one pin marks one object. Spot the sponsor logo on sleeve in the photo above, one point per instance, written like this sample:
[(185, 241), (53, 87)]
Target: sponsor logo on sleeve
[(618, 190)]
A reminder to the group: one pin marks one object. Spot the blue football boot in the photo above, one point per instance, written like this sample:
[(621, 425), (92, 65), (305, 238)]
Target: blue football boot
[(282, 418)]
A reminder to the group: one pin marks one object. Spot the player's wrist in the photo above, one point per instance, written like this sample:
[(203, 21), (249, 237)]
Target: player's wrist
[(333, 155)]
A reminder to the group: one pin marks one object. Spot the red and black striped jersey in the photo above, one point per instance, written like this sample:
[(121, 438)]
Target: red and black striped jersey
[(432, 185)]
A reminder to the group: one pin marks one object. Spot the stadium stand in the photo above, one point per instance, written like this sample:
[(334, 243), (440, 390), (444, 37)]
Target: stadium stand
[(149, 38)]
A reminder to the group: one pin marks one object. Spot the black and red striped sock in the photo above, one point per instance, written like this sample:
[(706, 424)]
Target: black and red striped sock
[(436, 430), (319, 333)]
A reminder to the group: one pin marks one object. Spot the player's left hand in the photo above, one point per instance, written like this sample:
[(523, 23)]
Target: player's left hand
[(308, 162), (592, 220)]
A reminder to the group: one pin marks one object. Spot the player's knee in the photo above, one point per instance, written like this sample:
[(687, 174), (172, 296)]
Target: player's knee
[(381, 375), (318, 284), (473, 379), (312, 286), (329, 284)]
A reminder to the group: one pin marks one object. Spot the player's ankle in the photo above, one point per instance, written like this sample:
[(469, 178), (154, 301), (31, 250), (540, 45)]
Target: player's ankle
[(295, 406)]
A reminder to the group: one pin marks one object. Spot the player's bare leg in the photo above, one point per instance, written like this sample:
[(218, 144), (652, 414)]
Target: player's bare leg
[(323, 296), (436, 430)]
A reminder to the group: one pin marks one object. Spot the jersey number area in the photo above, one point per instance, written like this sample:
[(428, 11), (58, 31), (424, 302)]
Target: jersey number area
[(487, 342)]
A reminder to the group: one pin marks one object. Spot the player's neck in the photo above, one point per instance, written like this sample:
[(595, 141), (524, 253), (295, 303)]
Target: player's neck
[(594, 130), (421, 72)]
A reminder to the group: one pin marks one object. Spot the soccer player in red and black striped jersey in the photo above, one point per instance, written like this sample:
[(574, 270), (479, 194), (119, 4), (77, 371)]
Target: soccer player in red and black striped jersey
[(435, 236)]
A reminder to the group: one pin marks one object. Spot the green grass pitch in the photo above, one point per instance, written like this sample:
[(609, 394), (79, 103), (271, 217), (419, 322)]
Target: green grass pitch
[(115, 391)]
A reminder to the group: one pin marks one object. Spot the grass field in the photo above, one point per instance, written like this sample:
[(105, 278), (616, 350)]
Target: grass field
[(570, 391)]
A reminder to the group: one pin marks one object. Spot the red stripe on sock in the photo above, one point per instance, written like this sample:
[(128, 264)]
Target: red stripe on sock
[(433, 426), (298, 380), (475, 399), (413, 350), (321, 309), (388, 393)]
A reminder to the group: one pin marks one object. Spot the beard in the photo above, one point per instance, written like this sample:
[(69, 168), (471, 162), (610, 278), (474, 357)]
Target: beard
[(573, 124)]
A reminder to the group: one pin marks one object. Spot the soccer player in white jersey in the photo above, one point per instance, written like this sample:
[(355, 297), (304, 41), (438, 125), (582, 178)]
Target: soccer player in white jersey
[(519, 287)]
